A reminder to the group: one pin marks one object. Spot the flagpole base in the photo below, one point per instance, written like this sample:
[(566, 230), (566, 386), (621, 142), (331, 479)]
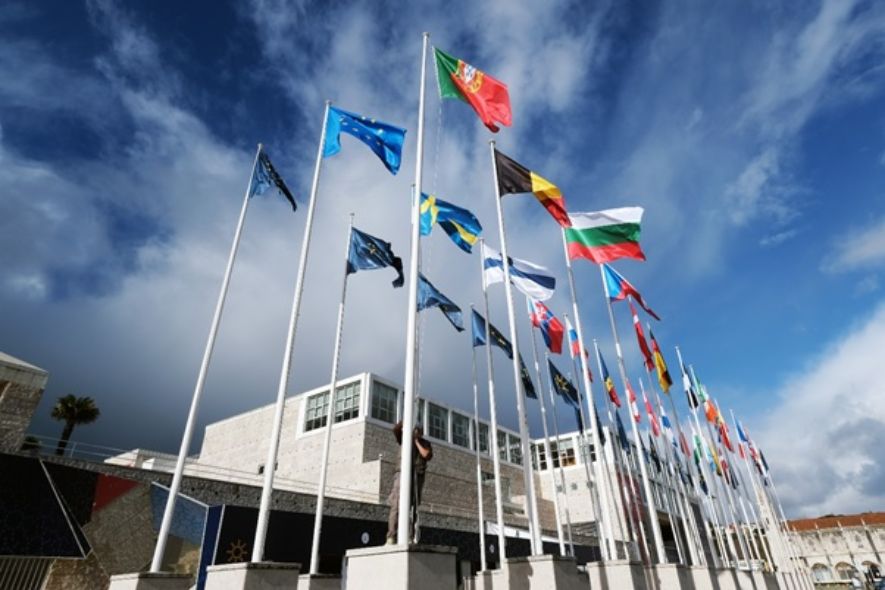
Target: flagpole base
[(540, 572), (618, 574), (151, 581), (319, 582), (401, 567), (263, 575)]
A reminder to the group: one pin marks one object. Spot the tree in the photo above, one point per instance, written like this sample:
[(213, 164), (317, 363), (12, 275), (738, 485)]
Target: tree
[(73, 410)]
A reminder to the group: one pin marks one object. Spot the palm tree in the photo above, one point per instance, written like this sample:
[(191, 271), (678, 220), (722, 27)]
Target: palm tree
[(73, 410)]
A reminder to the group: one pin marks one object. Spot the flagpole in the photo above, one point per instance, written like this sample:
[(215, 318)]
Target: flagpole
[(702, 472), (726, 485), (653, 514), (493, 415), (718, 527), (410, 381), (568, 518), (482, 522), (330, 415), (277, 426), (744, 487), (559, 534), (168, 512), (608, 546), (628, 491), (531, 500)]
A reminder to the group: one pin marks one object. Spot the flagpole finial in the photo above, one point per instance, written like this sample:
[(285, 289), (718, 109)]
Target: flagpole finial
[(328, 102), (260, 146), (492, 143), (426, 35)]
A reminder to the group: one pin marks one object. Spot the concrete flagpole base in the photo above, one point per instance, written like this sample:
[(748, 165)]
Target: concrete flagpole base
[(319, 582), (151, 581), (483, 580), (539, 572), (616, 574), (265, 575), (398, 567)]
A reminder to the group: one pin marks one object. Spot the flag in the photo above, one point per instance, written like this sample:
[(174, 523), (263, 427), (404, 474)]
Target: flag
[(430, 296), (551, 328), (634, 407), (652, 419), (684, 444), (710, 411), (575, 345), (618, 288), (562, 386), (599, 429), (265, 176), (640, 337), (527, 384), (699, 387), (460, 225), (368, 253), (608, 382), (498, 339), (690, 395), (604, 236), (741, 434), (532, 280), (661, 366), (724, 436), (514, 178), (622, 434), (383, 139), (579, 419), (665, 421), (488, 96), (653, 451)]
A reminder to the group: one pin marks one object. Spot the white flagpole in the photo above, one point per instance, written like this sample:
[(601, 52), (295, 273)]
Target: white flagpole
[(529, 480), (608, 546), (547, 449), (330, 415), (744, 491), (493, 414), (277, 426), (411, 381), (166, 524), (475, 428), (568, 518), (650, 500)]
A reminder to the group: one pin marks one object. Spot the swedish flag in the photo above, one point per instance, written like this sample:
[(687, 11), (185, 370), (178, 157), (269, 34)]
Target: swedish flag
[(460, 225)]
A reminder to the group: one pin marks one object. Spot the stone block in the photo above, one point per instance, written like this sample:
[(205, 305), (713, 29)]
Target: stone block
[(483, 580), (253, 576), (319, 582), (397, 567), (665, 575), (701, 577), (539, 572), (615, 575), (151, 581), (726, 578)]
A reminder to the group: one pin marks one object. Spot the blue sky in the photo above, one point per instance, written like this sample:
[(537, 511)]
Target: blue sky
[(752, 133)]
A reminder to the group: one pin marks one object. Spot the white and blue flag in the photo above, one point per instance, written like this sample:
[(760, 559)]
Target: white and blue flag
[(531, 279)]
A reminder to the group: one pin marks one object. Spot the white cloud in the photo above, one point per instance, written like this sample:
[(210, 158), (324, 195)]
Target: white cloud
[(863, 248), (778, 237), (825, 432)]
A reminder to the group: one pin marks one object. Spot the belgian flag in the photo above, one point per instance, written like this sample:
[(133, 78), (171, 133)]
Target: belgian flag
[(514, 178)]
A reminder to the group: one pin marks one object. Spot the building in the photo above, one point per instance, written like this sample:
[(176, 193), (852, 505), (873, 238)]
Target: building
[(21, 387), (841, 547)]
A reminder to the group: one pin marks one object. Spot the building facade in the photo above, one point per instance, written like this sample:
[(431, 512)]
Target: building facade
[(838, 548), (21, 388)]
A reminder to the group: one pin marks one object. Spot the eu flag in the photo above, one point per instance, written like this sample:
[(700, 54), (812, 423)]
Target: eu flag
[(460, 225), (368, 253), (498, 339), (563, 386), (430, 296), (265, 176), (383, 139), (527, 384)]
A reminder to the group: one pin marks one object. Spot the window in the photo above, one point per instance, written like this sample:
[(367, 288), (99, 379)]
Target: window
[(487, 477), (821, 573), (502, 446), (438, 422), (460, 430), (483, 438), (542, 457), (384, 400), (347, 402), (316, 412), (515, 450), (347, 406), (565, 453)]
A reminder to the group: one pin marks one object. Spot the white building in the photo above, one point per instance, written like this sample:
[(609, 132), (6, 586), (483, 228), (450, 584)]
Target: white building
[(841, 547)]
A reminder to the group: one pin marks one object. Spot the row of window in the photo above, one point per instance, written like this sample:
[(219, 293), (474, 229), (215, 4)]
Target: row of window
[(347, 406)]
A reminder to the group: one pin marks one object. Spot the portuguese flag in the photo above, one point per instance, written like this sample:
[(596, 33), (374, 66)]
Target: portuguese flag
[(603, 236), (514, 178), (487, 96)]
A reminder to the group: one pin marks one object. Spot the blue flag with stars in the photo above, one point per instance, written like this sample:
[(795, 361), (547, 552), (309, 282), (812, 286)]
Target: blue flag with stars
[(479, 339), (430, 296), (383, 139), (368, 253)]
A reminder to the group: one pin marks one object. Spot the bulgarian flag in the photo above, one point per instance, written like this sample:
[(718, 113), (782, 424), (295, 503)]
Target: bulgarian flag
[(603, 236), (488, 97)]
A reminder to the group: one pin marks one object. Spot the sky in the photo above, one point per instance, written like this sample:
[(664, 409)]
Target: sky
[(753, 134)]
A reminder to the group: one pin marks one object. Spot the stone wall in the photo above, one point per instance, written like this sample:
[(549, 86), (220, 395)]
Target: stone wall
[(21, 387)]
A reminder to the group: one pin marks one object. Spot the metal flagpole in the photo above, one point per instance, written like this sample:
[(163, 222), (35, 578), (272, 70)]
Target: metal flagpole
[(493, 415), (628, 491), (277, 426), (166, 524), (559, 534), (531, 500), (410, 381), (650, 500), (568, 518), (608, 546), (718, 526), (743, 485), (482, 522), (330, 415), (766, 541)]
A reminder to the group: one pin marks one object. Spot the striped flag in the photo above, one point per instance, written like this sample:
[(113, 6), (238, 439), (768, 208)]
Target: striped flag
[(531, 279), (604, 236), (550, 326), (618, 288)]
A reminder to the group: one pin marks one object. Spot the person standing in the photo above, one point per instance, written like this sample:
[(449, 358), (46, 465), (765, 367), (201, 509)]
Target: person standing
[(422, 453)]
